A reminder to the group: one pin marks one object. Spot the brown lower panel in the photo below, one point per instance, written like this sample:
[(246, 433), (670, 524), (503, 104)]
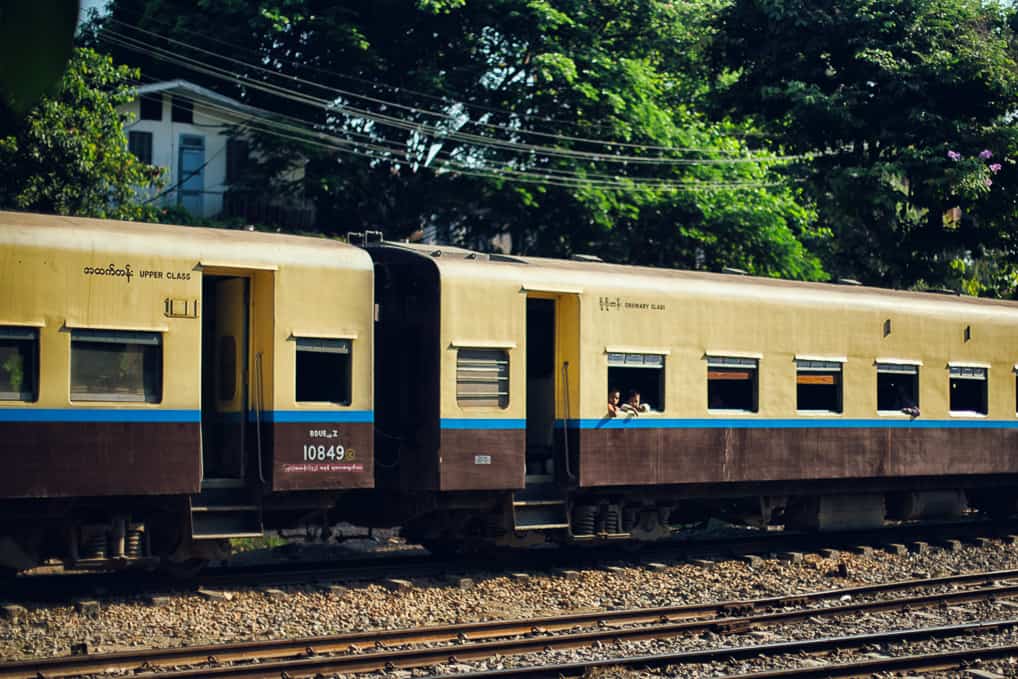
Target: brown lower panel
[(482, 459), (671, 456), (322, 456), (62, 459)]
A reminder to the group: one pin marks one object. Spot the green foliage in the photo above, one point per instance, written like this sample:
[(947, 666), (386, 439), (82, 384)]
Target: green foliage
[(69, 155), (900, 97), (14, 367), (624, 70)]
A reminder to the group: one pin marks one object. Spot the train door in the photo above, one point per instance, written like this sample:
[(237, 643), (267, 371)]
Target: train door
[(551, 348), (224, 377), (553, 321), (229, 504), (540, 390)]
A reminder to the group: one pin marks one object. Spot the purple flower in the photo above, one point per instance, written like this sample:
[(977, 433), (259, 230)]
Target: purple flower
[(995, 167), (989, 182), (986, 154), (954, 155)]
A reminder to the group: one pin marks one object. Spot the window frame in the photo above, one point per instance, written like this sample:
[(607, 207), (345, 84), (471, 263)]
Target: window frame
[(728, 362), (626, 358), (238, 157), (820, 365), (897, 367), (155, 101), (30, 334), (117, 336), (140, 135), (324, 345), (463, 400), (181, 110), (967, 372)]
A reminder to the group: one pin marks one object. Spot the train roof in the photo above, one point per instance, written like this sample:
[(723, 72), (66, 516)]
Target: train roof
[(455, 263), (236, 247)]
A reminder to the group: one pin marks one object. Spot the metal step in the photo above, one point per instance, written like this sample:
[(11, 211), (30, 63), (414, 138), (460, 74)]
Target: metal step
[(219, 512), (541, 507)]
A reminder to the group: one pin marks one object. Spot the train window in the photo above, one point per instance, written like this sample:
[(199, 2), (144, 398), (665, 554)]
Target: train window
[(968, 390), (482, 378), (323, 370), (116, 365), (818, 386), (897, 387), (732, 383), (19, 364), (641, 373)]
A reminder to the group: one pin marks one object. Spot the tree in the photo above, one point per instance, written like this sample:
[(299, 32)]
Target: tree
[(502, 117), (908, 106), (69, 155)]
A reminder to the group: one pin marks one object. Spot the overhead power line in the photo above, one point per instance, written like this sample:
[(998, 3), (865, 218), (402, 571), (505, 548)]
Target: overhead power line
[(609, 156), (439, 114), (389, 154)]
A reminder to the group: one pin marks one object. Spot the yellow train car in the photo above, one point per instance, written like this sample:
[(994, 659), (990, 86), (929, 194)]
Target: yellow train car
[(814, 404), (164, 388)]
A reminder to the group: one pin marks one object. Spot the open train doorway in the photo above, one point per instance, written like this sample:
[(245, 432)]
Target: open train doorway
[(540, 390), (224, 406)]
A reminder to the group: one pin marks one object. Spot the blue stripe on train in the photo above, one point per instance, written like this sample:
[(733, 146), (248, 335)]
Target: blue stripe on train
[(153, 415), (97, 415), (768, 423), (318, 416), (471, 423)]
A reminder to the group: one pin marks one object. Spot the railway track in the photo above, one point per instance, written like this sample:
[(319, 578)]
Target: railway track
[(920, 662), (61, 587), (371, 651)]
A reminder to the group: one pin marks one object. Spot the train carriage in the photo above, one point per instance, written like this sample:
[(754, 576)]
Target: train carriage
[(163, 389), (816, 405)]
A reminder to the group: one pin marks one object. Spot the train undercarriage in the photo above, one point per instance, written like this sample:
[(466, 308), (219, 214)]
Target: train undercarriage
[(156, 532)]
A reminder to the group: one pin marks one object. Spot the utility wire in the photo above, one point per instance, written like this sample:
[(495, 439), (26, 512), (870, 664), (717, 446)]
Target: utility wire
[(316, 102), (397, 89), (607, 157), (317, 138)]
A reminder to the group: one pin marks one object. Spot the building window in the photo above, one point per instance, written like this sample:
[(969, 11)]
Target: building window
[(968, 390), (116, 365), (818, 386), (732, 383), (140, 144), (19, 364), (323, 370), (182, 111), (482, 378), (897, 387), (151, 107), (643, 374), (237, 155)]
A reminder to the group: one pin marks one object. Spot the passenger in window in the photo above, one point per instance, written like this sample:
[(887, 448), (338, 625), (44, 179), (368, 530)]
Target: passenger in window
[(905, 402), (634, 405), (614, 403)]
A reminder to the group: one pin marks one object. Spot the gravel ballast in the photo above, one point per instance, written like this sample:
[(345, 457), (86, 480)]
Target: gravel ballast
[(220, 616)]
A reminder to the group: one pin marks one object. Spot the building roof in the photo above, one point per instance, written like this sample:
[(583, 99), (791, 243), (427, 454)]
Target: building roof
[(199, 93)]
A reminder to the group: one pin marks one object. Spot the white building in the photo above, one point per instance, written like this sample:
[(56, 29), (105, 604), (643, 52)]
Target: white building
[(196, 136)]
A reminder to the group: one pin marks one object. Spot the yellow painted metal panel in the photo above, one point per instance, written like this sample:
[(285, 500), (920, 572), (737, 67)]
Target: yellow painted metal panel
[(119, 275)]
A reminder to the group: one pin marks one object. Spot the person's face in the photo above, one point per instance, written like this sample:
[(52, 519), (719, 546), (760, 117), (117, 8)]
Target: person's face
[(635, 399), (614, 397)]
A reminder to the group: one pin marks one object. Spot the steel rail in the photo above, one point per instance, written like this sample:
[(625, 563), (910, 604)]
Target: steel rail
[(924, 662), (661, 621), (810, 646)]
